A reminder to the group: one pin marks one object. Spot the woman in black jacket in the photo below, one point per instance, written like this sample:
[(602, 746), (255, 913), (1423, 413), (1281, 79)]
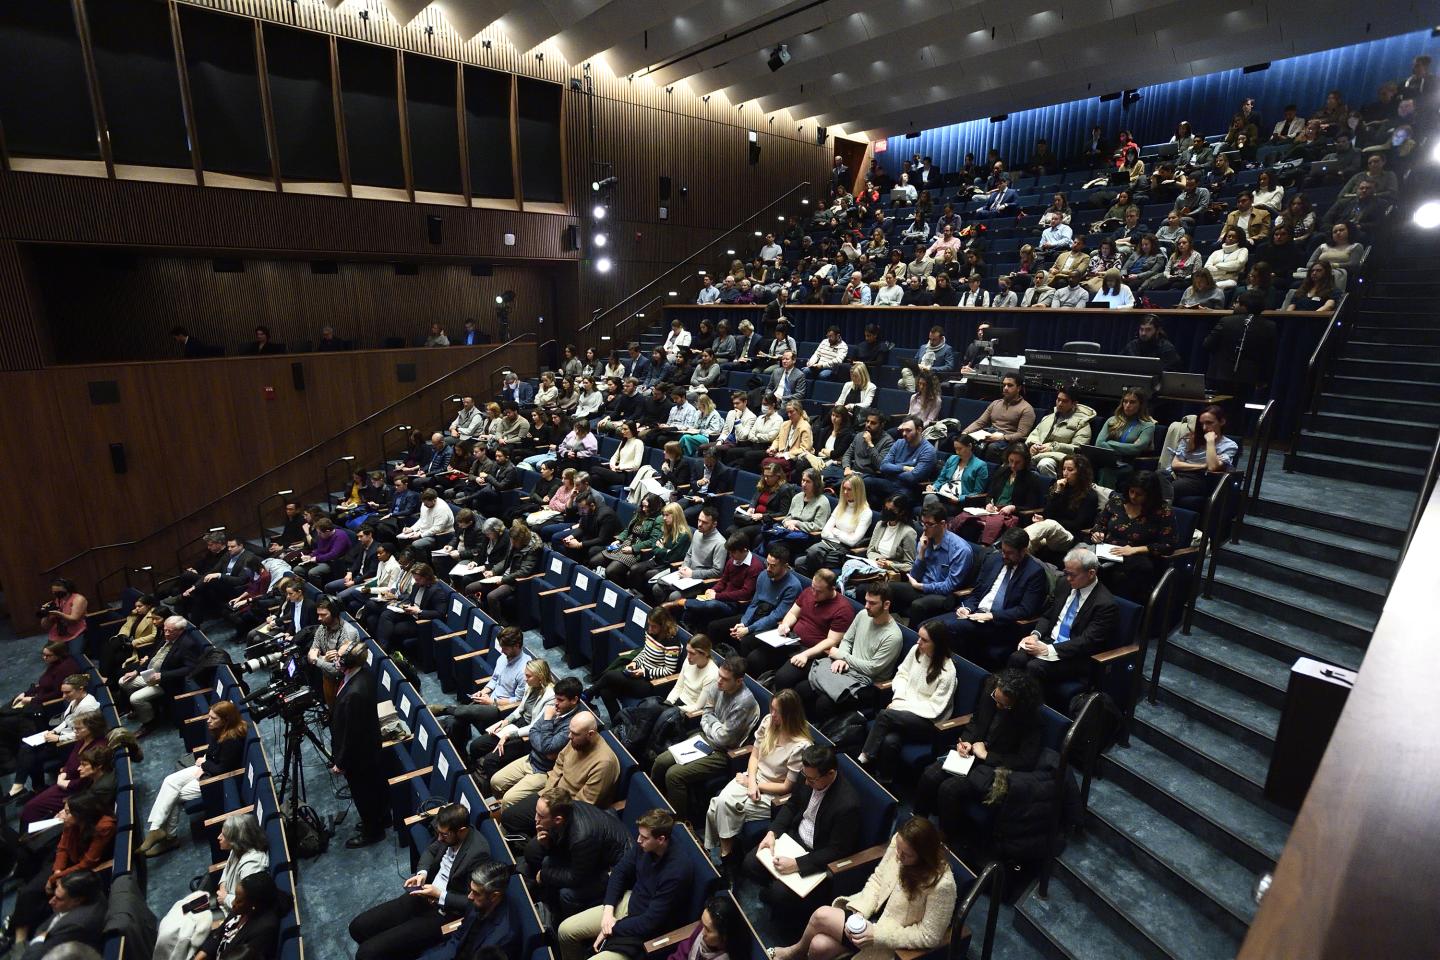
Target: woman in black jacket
[(495, 589), (1005, 735), (1013, 493), (1069, 512), (254, 921), (224, 751), (676, 472)]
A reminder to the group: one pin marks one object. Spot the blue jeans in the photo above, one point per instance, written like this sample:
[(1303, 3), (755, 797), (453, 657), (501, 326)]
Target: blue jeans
[(533, 463), (699, 612)]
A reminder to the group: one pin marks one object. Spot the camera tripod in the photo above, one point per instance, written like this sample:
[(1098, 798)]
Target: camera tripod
[(292, 771)]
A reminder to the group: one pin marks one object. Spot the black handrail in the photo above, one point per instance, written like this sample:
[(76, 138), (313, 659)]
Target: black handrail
[(1255, 466), (1315, 377), (721, 237), (1076, 729), (302, 454), (1162, 593), (1422, 497), (1207, 542), (989, 881)]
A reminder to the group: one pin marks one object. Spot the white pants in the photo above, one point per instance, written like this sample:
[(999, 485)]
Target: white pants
[(143, 697), (180, 786), (730, 811), (182, 934), (1049, 535)]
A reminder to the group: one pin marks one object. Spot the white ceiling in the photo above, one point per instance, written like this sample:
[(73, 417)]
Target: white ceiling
[(888, 66)]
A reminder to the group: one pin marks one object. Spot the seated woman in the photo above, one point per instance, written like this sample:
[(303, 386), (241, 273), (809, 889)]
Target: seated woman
[(1202, 294), (1268, 194), (1140, 527), (247, 851), (1226, 263), (907, 904), (87, 839), (773, 496), (707, 426), (891, 552), (1298, 217), (962, 476), (806, 517), (77, 701), (1114, 292), (1130, 432), (497, 584), (659, 657), (1341, 250), (859, 393), (1106, 257), (550, 496), (796, 436), (26, 713), (504, 740), (1069, 510), (492, 554), (224, 751), (829, 448), (1013, 492), (1005, 730), (669, 549), (770, 774), (635, 542), (90, 730), (620, 469), (1317, 292), (923, 687), (846, 529), (254, 922), (1180, 269), (548, 391), (1145, 263), (1199, 456), (721, 935)]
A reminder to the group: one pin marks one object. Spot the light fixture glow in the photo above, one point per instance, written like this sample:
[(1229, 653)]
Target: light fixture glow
[(599, 212), (805, 200), (603, 264), (729, 253), (601, 240), (674, 293), (1427, 215), (598, 185)]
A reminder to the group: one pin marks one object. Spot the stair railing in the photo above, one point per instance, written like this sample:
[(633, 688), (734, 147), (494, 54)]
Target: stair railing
[(1255, 466), (989, 882), (1208, 536), (1319, 362), (1078, 736), (685, 267), (1427, 486), (1162, 598)]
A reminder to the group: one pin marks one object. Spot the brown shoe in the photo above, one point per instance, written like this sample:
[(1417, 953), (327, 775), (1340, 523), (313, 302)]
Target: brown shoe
[(164, 845), (151, 839)]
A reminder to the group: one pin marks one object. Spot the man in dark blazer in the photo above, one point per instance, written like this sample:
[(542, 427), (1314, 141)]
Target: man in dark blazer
[(355, 746), (407, 925), (788, 381), (79, 905), (216, 587), (596, 524), (491, 921), (1012, 586), (1080, 622), (1242, 350), (517, 391), (833, 830), (363, 561), (429, 600)]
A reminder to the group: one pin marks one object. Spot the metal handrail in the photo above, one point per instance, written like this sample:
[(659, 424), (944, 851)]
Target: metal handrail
[(1207, 543), (1255, 466), (1163, 589), (1061, 770), (638, 313), (686, 261), (299, 456), (989, 881), (1422, 497), (1314, 378)]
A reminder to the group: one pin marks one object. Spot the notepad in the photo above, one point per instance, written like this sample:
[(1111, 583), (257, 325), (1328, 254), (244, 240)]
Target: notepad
[(773, 638), (958, 765), (35, 739), (801, 884), (678, 582), (1106, 551), (692, 749)]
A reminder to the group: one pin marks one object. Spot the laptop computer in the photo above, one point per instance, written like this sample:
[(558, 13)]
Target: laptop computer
[(1189, 386)]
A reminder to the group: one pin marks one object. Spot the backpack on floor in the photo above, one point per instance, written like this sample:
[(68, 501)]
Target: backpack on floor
[(306, 833), (847, 731)]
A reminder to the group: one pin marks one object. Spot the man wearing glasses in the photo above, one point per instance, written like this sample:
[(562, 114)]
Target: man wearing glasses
[(943, 562), (1081, 622)]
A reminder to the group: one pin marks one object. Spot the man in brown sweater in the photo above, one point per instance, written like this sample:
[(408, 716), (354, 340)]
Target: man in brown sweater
[(1007, 420), (586, 768)]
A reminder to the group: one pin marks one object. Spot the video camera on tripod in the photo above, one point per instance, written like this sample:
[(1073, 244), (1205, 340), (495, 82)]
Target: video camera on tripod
[(289, 693)]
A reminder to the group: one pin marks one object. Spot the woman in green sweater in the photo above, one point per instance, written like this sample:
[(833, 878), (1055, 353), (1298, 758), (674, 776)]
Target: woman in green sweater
[(635, 544), (1130, 432), (668, 550), (809, 509)]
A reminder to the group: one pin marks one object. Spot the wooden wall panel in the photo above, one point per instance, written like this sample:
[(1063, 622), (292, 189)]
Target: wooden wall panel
[(193, 431), (20, 340), (102, 307)]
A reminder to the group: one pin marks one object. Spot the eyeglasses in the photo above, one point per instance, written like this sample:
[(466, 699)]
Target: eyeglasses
[(931, 523)]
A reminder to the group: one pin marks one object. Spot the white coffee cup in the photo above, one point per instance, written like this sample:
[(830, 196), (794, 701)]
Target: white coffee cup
[(855, 924)]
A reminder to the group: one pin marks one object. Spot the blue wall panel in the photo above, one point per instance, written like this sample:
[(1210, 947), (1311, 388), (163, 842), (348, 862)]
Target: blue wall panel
[(1208, 102)]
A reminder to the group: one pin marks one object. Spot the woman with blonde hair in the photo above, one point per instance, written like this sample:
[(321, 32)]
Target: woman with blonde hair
[(671, 548), (1130, 432), (795, 437), (859, 393), (707, 426), (770, 775), (505, 739), (847, 528), (549, 392)]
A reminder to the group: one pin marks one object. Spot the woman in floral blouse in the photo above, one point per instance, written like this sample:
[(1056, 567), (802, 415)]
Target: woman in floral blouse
[(1141, 527)]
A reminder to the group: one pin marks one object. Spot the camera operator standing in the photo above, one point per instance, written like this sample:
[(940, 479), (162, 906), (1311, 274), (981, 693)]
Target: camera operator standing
[(332, 636), (355, 746)]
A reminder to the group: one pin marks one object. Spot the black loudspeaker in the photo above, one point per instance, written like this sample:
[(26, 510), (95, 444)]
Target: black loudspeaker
[(570, 240), (407, 269), (481, 270), (432, 228), (104, 391), (821, 134), (754, 154), (405, 372), (117, 457), (297, 375), (227, 265), (664, 189), (324, 266)]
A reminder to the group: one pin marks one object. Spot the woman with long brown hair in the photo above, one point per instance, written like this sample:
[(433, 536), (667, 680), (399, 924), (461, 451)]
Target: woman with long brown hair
[(224, 751), (770, 775)]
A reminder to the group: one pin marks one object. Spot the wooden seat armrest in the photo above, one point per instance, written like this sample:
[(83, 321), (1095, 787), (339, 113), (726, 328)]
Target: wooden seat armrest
[(217, 867), (417, 772), (451, 927), (884, 685), (451, 636), (1184, 552), (1027, 621), (583, 606), (221, 818), (415, 818), (618, 806), (227, 775), (396, 742), (107, 865), (51, 703), (868, 855), (1105, 656), (676, 564), (953, 723), (195, 719), (470, 653), (531, 577), (739, 752), (198, 750), (551, 592), (419, 622), (964, 591), (191, 694), (613, 626), (662, 681), (674, 936), (111, 623)]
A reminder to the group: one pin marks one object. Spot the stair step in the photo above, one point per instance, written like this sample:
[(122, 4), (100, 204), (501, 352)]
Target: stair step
[(1338, 618), (1242, 830), (1318, 544), (1383, 452), (1174, 855), (1395, 476), (1352, 399), (1403, 431), (1379, 332), (1339, 519), (1231, 663), (1397, 317), (1427, 391), (1239, 716), (1257, 560), (1167, 922), (1275, 638), (1394, 349), (1062, 925), (1411, 368)]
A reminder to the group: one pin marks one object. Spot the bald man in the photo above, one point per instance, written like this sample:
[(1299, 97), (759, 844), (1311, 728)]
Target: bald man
[(586, 769)]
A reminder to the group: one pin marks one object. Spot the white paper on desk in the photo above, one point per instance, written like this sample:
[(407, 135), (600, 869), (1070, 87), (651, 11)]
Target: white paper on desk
[(1106, 551), (442, 552), (976, 511), (956, 764), (678, 582), (39, 825), (35, 739), (979, 435), (465, 569), (773, 638), (786, 846), (692, 749)]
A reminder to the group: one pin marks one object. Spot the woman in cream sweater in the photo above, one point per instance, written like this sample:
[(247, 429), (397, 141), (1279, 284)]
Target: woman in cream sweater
[(923, 688), (771, 774), (907, 904)]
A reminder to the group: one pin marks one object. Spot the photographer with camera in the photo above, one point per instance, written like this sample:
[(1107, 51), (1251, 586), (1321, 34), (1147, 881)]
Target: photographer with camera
[(332, 637), (63, 615), (355, 746)]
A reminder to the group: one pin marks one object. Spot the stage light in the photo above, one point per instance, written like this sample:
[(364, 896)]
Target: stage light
[(601, 240), (603, 264), (598, 185), (1427, 215), (599, 212)]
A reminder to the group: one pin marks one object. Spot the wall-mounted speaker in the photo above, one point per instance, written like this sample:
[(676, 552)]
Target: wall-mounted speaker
[(324, 266), (664, 189), (405, 372), (821, 134), (117, 458), (481, 270), (570, 239), (103, 392), (297, 375), (433, 225), (754, 154)]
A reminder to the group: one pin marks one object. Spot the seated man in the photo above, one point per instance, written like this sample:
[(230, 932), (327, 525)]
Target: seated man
[(1056, 238), (935, 355), (596, 524), (407, 925), (869, 448), (429, 600), (787, 381), (217, 587), (734, 589), (823, 815), (499, 695), (548, 735), (870, 649), (1012, 586), (1079, 623), (1005, 421), (1058, 434), (909, 465), (491, 926), (585, 767), (680, 420), (645, 896), (332, 544), (817, 621), (434, 528), (942, 565), (79, 906), (775, 590), (364, 562), (576, 845), (728, 713), (829, 354), (163, 673)]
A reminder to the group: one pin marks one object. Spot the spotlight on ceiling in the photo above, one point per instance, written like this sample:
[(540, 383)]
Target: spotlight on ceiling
[(604, 264), (1427, 215), (601, 239), (505, 299), (598, 185), (598, 212), (779, 57)]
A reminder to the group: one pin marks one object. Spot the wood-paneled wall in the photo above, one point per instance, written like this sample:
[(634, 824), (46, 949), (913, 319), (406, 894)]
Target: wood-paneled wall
[(194, 430), (102, 307)]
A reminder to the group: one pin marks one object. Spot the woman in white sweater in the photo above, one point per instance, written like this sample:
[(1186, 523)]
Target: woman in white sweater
[(923, 689), (620, 469), (181, 934), (1227, 263), (907, 904), (859, 392), (769, 777)]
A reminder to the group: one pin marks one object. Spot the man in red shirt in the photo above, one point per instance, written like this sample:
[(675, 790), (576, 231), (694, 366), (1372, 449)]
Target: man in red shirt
[(817, 621), (730, 594)]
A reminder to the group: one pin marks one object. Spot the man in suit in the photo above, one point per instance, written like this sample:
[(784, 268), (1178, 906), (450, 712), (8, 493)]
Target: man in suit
[(192, 348), (1079, 623), (575, 846), (788, 380), (596, 524), (517, 391), (1002, 202), (491, 926), (79, 917), (823, 816), (355, 746), (163, 674), (1012, 586), (407, 925), (217, 587), (429, 600)]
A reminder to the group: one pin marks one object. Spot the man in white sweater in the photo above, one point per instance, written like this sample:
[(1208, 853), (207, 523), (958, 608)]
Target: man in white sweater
[(436, 522)]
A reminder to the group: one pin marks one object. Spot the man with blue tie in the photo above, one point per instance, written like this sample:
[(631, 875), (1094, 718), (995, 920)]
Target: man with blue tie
[(788, 381), (1002, 202), (1012, 586), (1081, 622)]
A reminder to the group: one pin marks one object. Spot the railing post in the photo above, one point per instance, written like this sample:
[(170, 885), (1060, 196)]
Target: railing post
[(992, 915)]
